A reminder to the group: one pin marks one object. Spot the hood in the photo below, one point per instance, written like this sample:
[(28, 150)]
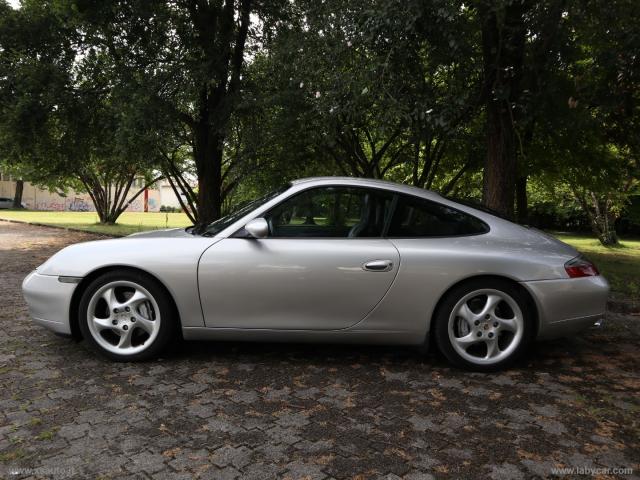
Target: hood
[(160, 250), (168, 233)]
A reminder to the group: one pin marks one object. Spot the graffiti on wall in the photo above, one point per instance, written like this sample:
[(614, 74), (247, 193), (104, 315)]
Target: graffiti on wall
[(39, 199), (52, 205), (79, 205), (136, 206)]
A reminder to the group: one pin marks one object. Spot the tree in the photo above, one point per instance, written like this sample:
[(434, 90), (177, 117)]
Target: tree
[(34, 59), (430, 47), (187, 58), (586, 109), (228, 98), (64, 123), (545, 56), (107, 153), (503, 41), (378, 88), (601, 178), (340, 88)]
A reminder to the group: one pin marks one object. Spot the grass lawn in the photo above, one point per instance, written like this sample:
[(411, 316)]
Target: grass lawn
[(621, 265), (129, 222)]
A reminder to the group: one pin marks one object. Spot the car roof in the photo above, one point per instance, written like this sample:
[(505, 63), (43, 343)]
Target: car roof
[(367, 182)]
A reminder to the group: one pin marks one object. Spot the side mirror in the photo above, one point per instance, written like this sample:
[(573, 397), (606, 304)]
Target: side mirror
[(257, 228)]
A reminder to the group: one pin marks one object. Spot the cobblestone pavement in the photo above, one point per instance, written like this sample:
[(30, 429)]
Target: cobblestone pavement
[(228, 411)]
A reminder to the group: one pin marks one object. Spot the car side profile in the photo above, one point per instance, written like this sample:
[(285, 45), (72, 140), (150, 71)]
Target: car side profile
[(326, 259), (6, 202)]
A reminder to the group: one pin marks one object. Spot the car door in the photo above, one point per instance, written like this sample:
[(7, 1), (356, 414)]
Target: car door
[(324, 265)]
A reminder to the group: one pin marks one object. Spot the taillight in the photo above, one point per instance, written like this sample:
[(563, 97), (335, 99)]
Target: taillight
[(580, 267)]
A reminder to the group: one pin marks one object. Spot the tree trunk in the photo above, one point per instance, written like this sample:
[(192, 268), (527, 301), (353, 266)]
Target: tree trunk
[(503, 38), (500, 168), (103, 215), (208, 156), (17, 198), (209, 187), (609, 238), (522, 209), (601, 218), (603, 227), (109, 197), (222, 29)]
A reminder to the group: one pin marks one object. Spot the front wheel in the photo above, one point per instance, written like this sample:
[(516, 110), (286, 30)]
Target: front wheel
[(483, 325), (126, 316)]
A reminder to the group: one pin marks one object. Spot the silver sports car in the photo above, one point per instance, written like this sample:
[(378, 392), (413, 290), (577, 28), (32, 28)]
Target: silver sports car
[(326, 260)]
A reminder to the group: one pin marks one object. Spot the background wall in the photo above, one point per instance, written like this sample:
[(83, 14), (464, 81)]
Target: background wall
[(38, 199)]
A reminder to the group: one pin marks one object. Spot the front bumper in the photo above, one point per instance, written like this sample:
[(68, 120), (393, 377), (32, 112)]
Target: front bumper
[(48, 300), (568, 306)]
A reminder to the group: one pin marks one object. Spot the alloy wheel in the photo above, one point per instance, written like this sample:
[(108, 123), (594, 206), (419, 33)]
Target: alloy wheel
[(123, 317), (486, 326)]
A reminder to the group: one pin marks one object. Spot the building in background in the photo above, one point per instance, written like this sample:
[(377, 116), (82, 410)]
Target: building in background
[(36, 198), (167, 196)]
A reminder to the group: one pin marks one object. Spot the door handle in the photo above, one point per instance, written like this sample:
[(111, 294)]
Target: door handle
[(378, 265)]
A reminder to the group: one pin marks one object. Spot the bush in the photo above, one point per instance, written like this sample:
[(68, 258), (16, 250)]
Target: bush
[(558, 216), (629, 222), (170, 209)]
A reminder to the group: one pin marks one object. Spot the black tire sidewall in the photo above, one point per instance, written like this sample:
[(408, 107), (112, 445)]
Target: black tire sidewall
[(168, 323), (441, 323)]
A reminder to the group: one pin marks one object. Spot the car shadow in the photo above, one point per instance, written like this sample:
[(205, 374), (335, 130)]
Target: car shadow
[(321, 354), (311, 353), (542, 355)]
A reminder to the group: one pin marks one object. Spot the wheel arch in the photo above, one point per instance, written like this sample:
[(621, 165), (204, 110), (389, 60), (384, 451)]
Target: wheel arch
[(91, 276), (525, 293)]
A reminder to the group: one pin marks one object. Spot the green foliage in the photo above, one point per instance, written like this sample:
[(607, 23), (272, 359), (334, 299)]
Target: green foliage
[(64, 123), (230, 99)]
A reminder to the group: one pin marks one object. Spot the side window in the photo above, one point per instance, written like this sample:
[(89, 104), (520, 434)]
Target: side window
[(417, 217), (337, 212)]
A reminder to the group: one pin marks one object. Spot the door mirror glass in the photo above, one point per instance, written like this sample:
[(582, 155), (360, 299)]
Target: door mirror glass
[(257, 228)]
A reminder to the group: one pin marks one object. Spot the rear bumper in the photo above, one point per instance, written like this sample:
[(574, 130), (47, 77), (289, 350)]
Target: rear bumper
[(48, 300), (568, 306)]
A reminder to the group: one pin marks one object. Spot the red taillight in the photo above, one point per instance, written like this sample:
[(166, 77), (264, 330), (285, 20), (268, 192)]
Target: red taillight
[(580, 267)]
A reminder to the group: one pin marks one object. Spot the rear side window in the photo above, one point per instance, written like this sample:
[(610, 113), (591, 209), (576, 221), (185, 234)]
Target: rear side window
[(417, 217)]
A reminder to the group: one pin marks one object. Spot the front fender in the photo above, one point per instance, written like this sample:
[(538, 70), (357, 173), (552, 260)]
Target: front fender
[(173, 261)]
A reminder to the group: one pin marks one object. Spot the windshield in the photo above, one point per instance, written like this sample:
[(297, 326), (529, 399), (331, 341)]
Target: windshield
[(238, 212)]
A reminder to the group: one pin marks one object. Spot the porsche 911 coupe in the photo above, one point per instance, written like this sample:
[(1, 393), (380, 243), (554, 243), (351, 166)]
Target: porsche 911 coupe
[(326, 260)]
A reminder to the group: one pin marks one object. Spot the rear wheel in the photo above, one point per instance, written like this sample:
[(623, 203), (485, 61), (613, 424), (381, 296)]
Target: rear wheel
[(484, 325), (127, 316)]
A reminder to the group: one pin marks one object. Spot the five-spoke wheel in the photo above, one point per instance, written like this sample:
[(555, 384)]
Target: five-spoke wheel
[(483, 325), (126, 315)]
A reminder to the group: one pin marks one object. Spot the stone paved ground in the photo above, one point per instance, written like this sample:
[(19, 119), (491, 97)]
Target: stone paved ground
[(286, 411)]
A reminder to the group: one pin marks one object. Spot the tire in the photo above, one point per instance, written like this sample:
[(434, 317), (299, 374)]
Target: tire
[(492, 332), (127, 316)]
